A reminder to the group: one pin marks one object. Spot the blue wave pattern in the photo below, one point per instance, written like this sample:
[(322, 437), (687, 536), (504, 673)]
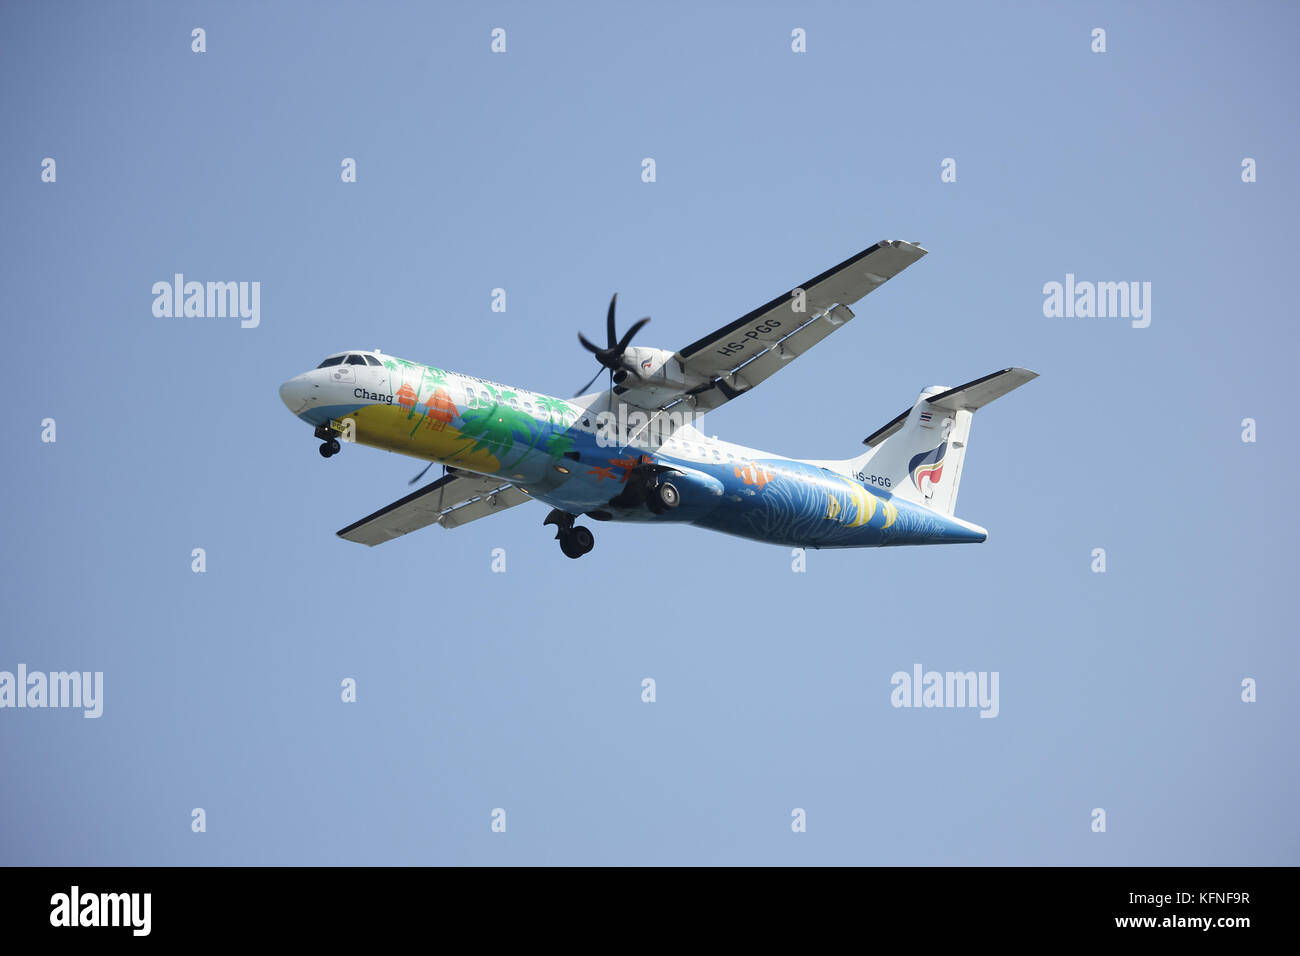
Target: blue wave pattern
[(804, 505)]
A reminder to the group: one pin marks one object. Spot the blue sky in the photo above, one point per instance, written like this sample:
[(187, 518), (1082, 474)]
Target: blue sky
[(522, 690)]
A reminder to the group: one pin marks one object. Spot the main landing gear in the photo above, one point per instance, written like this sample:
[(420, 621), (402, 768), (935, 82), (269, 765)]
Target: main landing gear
[(329, 445), (574, 541), (648, 486), (663, 498)]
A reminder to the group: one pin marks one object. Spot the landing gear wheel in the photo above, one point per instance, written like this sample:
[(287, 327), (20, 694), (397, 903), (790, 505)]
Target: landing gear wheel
[(329, 449), (577, 542), (667, 496), (583, 538)]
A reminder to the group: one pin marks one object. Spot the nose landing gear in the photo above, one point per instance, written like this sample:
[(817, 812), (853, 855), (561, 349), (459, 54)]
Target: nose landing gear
[(329, 445), (577, 542), (574, 541)]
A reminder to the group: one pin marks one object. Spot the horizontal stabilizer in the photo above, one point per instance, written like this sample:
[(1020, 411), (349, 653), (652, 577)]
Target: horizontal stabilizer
[(980, 392), (884, 431), (970, 396)]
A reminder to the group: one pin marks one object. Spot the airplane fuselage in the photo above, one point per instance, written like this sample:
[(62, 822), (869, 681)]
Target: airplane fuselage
[(588, 456)]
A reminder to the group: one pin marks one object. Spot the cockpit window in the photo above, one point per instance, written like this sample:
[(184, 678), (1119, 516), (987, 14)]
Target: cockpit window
[(356, 360), (371, 360), (332, 360)]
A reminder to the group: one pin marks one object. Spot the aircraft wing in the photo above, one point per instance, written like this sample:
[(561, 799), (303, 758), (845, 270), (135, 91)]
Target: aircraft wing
[(451, 501), (743, 353)]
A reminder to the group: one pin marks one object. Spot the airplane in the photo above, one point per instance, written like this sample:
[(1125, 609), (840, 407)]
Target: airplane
[(633, 452)]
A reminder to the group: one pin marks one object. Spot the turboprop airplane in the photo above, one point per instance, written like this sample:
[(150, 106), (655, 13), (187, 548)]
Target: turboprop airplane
[(633, 452)]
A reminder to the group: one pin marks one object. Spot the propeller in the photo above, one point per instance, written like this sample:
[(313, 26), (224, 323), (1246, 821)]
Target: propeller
[(421, 474), (610, 357), (423, 470)]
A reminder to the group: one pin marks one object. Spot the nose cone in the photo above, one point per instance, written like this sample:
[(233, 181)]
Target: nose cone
[(296, 394)]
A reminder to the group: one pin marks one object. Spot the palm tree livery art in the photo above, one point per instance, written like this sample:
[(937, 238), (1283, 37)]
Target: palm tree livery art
[(559, 445), (495, 427), (557, 410), (435, 377)]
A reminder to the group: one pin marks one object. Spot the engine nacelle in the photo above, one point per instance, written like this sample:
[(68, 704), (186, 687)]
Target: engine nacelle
[(647, 367)]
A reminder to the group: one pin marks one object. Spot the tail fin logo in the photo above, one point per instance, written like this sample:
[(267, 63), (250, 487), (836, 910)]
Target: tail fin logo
[(928, 464)]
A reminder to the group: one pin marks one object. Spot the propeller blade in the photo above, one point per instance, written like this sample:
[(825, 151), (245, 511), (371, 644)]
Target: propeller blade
[(627, 336), (611, 357), (588, 385), (421, 474)]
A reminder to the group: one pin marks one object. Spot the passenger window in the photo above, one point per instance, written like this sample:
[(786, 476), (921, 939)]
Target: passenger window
[(332, 360), (356, 360), (717, 455), (514, 403)]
